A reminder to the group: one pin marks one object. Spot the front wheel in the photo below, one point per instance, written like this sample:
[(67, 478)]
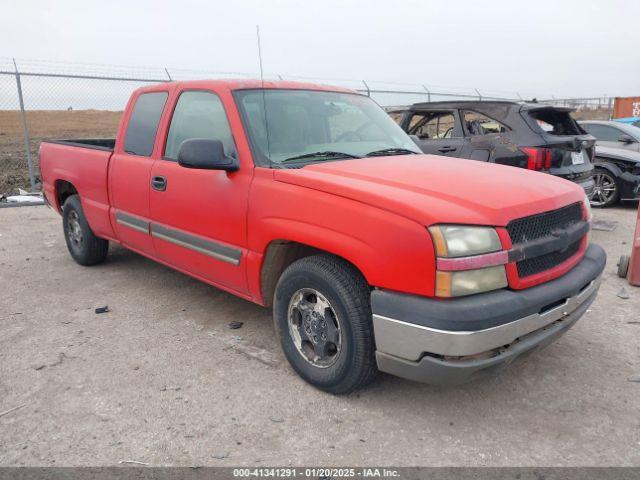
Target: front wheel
[(322, 315), (606, 191), (85, 248)]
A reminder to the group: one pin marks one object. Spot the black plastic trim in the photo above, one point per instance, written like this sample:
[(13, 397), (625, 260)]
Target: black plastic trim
[(206, 247), (486, 310), (132, 222), (552, 243)]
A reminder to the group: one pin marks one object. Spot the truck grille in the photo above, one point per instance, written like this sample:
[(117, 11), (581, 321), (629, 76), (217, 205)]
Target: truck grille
[(531, 266), (535, 227)]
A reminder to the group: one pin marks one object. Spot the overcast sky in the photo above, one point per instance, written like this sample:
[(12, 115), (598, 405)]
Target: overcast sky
[(541, 48)]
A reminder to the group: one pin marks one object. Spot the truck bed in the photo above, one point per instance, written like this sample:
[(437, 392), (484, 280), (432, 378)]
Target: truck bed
[(83, 163)]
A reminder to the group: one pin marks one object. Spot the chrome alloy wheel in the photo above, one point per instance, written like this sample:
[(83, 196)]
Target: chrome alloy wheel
[(314, 328), (605, 189), (74, 230)]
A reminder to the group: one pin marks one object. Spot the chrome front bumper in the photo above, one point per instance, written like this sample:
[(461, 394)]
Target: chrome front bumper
[(453, 341), (408, 341)]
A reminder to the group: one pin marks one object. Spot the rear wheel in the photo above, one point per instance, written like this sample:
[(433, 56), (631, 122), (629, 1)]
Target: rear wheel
[(322, 315), (606, 192), (85, 248)]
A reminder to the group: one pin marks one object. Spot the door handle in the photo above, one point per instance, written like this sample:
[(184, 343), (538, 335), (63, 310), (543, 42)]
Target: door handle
[(447, 149), (159, 183)]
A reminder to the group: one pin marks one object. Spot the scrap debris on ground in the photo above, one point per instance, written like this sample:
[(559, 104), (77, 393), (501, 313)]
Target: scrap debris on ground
[(23, 197), (604, 225)]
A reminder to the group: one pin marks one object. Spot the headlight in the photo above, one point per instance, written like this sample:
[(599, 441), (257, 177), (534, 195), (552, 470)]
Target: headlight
[(462, 241), (468, 262), (468, 282)]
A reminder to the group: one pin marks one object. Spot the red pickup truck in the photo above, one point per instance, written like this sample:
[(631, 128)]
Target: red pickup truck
[(311, 200)]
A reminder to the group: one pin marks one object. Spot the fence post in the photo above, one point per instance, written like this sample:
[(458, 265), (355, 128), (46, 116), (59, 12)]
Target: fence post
[(428, 92), (25, 129), (479, 94), (367, 87)]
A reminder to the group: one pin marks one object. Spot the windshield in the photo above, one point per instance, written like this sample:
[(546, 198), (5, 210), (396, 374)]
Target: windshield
[(317, 126)]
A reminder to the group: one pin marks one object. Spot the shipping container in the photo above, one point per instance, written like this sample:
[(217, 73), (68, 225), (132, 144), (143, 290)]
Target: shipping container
[(626, 107)]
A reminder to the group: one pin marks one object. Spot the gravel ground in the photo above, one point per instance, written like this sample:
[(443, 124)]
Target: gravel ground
[(161, 379)]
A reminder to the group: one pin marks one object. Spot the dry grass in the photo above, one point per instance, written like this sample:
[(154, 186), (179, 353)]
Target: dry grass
[(43, 124), (592, 114)]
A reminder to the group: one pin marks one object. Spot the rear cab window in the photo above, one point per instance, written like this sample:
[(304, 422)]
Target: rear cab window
[(198, 114), (143, 123), (553, 121)]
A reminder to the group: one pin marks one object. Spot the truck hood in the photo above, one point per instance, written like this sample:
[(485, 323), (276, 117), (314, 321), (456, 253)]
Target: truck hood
[(433, 189)]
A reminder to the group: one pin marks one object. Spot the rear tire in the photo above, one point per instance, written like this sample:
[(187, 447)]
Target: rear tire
[(85, 248), (322, 314), (607, 190)]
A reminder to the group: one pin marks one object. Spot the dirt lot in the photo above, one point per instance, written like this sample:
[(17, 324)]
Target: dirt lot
[(161, 379), (14, 171)]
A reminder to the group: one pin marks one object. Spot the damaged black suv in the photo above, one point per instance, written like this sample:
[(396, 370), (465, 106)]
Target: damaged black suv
[(526, 135)]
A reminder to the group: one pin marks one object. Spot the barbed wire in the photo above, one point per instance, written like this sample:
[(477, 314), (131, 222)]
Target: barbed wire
[(120, 71)]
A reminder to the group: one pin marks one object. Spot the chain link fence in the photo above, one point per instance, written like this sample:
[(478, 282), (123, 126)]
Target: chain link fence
[(41, 100)]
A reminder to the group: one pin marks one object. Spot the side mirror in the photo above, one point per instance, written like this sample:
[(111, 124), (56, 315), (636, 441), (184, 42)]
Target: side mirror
[(626, 139), (205, 154)]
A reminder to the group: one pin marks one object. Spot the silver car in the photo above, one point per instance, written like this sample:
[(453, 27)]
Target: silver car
[(613, 134)]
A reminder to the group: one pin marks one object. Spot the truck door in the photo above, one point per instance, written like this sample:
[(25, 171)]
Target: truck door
[(130, 172), (439, 132), (199, 216)]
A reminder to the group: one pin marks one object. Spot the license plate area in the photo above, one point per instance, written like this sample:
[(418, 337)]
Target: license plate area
[(577, 158)]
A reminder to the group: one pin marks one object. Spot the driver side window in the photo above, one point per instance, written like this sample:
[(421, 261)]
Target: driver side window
[(432, 126), (198, 114)]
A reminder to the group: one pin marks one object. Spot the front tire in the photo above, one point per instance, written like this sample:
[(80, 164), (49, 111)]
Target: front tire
[(85, 248), (322, 314), (607, 191)]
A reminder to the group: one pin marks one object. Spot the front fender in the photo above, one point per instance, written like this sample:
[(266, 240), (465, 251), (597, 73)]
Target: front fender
[(391, 251)]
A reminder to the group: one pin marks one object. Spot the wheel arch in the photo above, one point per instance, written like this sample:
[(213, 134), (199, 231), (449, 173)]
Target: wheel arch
[(63, 189), (605, 164), (279, 254)]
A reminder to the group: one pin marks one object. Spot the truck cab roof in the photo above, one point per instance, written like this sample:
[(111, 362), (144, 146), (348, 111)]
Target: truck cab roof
[(245, 84)]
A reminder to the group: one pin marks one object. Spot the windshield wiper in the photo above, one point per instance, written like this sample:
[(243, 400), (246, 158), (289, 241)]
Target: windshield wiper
[(391, 151), (323, 155)]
